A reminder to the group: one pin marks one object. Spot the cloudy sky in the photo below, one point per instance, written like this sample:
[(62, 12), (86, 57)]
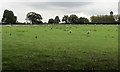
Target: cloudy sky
[(51, 8)]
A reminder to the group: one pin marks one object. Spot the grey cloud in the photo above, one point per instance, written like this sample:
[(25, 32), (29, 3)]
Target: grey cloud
[(119, 7), (44, 5), (68, 4)]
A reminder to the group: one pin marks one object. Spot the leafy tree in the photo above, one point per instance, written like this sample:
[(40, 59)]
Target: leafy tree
[(119, 19), (8, 17), (56, 20), (51, 21), (65, 19), (82, 20), (103, 19), (111, 13), (73, 19), (34, 18)]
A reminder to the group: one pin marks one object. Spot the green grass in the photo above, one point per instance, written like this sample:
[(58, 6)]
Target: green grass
[(57, 49)]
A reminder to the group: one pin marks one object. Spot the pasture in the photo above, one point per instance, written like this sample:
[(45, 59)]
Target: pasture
[(54, 47)]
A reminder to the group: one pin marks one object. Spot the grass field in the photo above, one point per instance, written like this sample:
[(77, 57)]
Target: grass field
[(42, 48)]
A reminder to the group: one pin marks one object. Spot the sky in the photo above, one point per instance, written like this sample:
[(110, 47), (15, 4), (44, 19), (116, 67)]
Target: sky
[(51, 8)]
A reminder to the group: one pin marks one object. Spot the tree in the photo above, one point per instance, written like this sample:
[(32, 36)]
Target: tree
[(34, 18), (111, 13), (57, 20), (103, 19), (8, 17), (82, 20), (119, 19), (65, 19), (73, 19), (51, 21)]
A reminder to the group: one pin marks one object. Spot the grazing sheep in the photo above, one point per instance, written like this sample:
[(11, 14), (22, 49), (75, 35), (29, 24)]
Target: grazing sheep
[(9, 25), (48, 25), (70, 31), (67, 26), (88, 32)]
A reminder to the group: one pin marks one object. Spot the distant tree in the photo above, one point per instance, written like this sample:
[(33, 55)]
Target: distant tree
[(8, 17), (34, 18), (111, 13), (73, 19), (51, 21), (103, 19), (56, 20), (119, 19), (65, 19), (82, 20)]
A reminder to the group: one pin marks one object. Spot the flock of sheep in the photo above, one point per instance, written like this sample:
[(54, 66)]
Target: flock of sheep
[(69, 31)]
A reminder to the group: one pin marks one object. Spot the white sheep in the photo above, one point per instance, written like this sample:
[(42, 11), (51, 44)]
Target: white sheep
[(67, 26), (88, 32), (48, 25), (70, 31)]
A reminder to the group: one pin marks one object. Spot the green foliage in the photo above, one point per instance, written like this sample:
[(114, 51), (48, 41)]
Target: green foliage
[(82, 20), (65, 19), (111, 13), (8, 17), (56, 20), (119, 19), (73, 19), (51, 21), (103, 19), (34, 18)]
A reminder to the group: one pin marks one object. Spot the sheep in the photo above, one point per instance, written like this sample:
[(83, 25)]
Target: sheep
[(70, 31), (88, 32), (94, 24), (67, 26), (48, 25), (9, 26)]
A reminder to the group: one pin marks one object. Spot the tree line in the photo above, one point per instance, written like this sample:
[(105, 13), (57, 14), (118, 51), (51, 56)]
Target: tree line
[(35, 18)]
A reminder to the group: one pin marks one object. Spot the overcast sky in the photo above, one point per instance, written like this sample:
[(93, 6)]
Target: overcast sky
[(51, 8)]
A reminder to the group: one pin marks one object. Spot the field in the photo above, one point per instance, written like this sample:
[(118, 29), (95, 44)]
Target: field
[(53, 47)]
